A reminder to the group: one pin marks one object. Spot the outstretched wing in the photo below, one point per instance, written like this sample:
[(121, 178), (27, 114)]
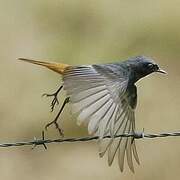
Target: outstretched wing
[(125, 123), (99, 95)]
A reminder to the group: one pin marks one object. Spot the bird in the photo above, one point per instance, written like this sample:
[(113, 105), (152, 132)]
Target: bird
[(105, 97)]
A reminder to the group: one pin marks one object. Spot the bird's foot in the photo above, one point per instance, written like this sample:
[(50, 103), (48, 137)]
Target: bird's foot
[(56, 119), (61, 132), (55, 100)]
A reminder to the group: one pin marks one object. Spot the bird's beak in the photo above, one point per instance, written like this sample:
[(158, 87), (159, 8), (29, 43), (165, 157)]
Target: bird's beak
[(161, 71)]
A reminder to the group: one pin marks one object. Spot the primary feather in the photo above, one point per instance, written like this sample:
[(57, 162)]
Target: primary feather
[(99, 94)]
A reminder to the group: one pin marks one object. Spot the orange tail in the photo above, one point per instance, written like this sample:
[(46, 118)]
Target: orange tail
[(57, 67)]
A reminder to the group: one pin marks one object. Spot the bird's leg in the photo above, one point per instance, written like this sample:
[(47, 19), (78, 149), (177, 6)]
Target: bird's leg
[(55, 98), (56, 118)]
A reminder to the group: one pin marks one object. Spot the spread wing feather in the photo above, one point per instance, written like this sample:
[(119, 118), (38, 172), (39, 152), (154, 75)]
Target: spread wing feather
[(100, 96)]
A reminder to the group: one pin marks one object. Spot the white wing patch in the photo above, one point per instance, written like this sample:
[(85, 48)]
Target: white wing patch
[(102, 102)]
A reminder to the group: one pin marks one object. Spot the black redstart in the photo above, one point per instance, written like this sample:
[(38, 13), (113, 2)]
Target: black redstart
[(105, 96)]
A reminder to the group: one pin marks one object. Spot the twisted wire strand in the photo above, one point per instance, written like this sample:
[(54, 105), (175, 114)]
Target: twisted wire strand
[(44, 142)]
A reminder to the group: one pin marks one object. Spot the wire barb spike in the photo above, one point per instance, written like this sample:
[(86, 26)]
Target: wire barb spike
[(44, 142)]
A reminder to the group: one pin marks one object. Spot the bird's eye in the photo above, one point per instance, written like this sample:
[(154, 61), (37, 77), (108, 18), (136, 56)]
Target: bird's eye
[(152, 66)]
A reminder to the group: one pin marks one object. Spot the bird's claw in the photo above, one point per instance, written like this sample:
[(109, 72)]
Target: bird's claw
[(61, 132), (55, 100)]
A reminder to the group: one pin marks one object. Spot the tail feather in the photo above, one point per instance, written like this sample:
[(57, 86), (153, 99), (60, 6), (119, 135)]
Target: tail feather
[(57, 67)]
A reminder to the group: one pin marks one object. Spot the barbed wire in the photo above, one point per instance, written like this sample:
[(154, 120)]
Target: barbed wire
[(44, 142)]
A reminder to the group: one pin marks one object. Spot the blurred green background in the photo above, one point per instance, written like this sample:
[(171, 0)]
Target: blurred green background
[(86, 32)]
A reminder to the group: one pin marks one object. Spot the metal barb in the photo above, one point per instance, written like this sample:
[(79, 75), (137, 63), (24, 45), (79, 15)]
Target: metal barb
[(38, 142), (44, 142)]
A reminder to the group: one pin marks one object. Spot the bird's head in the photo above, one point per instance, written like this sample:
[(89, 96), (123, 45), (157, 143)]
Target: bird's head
[(141, 66)]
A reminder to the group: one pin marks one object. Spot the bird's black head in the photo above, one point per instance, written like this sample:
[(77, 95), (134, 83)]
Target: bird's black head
[(141, 66)]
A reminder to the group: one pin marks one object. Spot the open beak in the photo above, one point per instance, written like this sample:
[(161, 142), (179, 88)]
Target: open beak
[(161, 71)]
